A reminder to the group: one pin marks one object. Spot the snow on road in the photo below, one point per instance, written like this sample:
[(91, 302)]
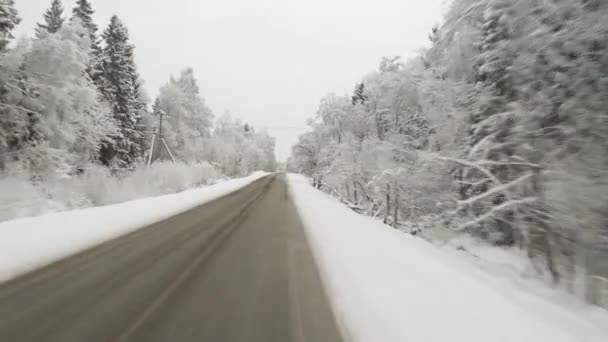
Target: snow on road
[(29, 243), (389, 286)]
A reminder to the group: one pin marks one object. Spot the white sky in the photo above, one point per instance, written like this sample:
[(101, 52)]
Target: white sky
[(268, 62)]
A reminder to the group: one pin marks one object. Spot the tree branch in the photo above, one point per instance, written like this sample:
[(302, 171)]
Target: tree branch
[(495, 190), (495, 210)]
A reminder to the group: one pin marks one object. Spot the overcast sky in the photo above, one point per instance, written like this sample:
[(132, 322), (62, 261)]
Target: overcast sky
[(268, 62)]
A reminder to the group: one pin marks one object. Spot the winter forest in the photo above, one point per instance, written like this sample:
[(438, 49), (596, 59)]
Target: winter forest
[(498, 130), (76, 125)]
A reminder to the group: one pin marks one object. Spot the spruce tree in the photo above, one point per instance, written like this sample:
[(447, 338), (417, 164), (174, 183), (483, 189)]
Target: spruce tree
[(9, 18), (84, 12), (494, 79), (493, 120), (53, 19), (359, 94), (120, 89)]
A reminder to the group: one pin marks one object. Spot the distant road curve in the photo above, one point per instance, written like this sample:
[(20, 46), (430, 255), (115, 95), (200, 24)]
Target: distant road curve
[(238, 268)]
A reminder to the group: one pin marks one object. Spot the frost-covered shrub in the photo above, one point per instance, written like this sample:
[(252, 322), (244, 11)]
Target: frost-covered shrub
[(165, 178), (18, 198), (94, 186)]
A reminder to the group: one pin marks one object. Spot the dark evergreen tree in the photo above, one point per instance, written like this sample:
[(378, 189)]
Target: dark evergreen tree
[(9, 18), (53, 19), (119, 87), (494, 78), (140, 103), (493, 118), (84, 12), (359, 94), (19, 116)]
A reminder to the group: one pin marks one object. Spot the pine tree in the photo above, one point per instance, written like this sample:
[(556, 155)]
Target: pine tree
[(9, 18), (84, 12), (53, 19), (493, 120), (120, 89), (359, 94), (19, 114), (140, 103), (492, 72)]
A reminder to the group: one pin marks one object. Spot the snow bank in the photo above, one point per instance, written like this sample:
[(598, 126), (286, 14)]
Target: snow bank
[(388, 286), (29, 243)]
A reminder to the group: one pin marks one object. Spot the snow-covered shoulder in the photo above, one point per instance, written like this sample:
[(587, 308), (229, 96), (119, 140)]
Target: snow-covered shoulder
[(30, 243), (388, 286)]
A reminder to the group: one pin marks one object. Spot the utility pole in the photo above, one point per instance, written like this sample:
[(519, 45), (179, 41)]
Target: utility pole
[(160, 123), (159, 138)]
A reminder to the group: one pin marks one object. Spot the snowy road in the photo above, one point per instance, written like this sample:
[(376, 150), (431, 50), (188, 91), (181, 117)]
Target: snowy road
[(234, 262), (235, 269)]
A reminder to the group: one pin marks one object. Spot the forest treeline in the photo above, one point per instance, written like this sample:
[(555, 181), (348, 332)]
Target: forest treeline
[(72, 96), (498, 129), (73, 102)]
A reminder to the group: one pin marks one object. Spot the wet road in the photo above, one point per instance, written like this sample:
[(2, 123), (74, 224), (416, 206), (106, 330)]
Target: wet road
[(235, 269)]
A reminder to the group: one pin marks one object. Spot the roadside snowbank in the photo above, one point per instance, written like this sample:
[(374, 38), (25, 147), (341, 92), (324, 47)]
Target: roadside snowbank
[(29, 243), (389, 286)]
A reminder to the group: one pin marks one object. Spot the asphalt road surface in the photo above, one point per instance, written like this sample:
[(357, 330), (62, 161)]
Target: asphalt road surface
[(235, 269)]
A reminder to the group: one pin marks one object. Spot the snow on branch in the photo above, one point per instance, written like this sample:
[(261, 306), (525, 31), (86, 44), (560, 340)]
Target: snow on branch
[(11, 106), (475, 165), (495, 190), (491, 162), (339, 196), (496, 210)]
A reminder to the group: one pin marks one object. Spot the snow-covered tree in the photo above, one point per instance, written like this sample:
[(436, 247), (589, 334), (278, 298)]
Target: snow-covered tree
[(306, 153), (53, 19), (54, 118), (9, 18), (83, 11), (237, 149), (188, 119)]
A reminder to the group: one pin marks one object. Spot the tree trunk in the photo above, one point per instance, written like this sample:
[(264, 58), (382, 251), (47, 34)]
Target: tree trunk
[(397, 120), (347, 191), (541, 221), (396, 214), (388, 203), (549, 244), (462, 189), (2, 159)]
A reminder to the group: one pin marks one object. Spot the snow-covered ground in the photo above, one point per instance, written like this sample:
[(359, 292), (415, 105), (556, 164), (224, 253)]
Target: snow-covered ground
[(389, 286), (30, 243)]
